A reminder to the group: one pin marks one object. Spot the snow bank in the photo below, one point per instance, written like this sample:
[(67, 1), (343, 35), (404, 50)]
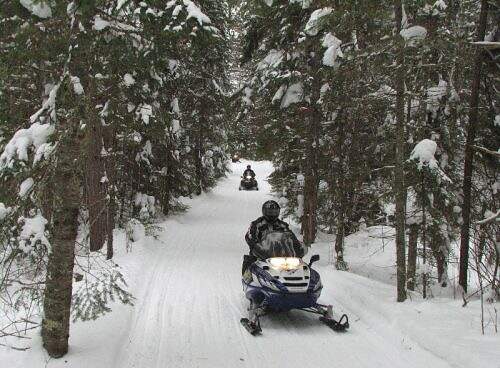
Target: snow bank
[(313, 24), (35, 136), (135, 231), (371, 253), (39, 8)]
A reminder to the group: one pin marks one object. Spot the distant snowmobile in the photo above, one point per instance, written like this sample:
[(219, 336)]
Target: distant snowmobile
[(235, 158), (280, 281)]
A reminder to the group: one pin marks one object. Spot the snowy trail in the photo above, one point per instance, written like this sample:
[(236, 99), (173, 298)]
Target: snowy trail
[(188, 313), (189, 302)]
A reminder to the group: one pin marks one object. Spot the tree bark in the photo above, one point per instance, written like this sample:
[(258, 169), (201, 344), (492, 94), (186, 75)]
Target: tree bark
[(96, 196), (310, 201), (437, 248), (399, 185), (469, 151), (59, 280), (309, 219), (198, 151), (412, 257), (110, 187), (340, 263)]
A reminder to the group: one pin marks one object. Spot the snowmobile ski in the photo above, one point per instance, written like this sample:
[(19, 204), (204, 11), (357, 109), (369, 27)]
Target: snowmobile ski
[(338, 326), (253, 328)]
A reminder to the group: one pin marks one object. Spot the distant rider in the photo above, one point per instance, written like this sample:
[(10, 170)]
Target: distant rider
[(268, 222), (249, 171)]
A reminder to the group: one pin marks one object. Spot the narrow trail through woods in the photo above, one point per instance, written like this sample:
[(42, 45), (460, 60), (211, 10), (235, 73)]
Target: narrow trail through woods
[(189, 302), (188, 312)]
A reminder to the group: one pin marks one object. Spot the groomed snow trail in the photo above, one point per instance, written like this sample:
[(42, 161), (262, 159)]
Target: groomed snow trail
[(189, 302), (187, 313)]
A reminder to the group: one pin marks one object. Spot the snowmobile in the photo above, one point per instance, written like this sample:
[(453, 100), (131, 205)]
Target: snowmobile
[(248, 182), (278, 281), (235, 158)]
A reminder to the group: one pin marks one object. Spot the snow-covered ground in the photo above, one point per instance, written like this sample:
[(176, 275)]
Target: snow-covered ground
[(189, 302)]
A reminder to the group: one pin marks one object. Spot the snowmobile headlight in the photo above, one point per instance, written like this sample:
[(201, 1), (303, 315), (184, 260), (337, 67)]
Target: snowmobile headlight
[(249, 177), (284, 263)]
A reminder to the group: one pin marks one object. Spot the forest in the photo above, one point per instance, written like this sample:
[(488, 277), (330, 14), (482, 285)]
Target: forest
[(125, 126)]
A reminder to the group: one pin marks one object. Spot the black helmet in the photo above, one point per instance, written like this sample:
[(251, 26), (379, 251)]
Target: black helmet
[(249, 167), (271, 210)]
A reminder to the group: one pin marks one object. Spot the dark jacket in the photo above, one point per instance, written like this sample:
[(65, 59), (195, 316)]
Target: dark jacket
[(260, 226), (249, 172)]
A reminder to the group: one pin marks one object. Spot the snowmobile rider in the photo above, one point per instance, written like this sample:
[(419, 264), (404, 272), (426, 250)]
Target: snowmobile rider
[(249, 171), (269, 221)]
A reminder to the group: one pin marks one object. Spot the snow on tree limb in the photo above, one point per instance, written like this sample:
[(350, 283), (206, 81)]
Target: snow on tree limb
[(313, 25), (487, 151), (41, 9), (424, 153), (492, 217), (36, 137)]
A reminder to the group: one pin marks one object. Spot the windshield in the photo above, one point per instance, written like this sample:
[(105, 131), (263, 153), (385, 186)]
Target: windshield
[(276, 244)]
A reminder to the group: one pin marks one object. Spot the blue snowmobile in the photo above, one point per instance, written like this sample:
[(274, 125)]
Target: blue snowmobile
[(279, 281)]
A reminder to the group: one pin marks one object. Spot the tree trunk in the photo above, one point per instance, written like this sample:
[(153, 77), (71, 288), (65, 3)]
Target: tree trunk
[(96, 197), (437, 248), (340, 263), (469, 153), (199, 158), (310, 206), (412, 257), (58, 287), (309, 219), (399, 185), (110, 187)]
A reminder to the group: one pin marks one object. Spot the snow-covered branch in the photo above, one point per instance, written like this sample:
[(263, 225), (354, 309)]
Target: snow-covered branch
[(489, 219)]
